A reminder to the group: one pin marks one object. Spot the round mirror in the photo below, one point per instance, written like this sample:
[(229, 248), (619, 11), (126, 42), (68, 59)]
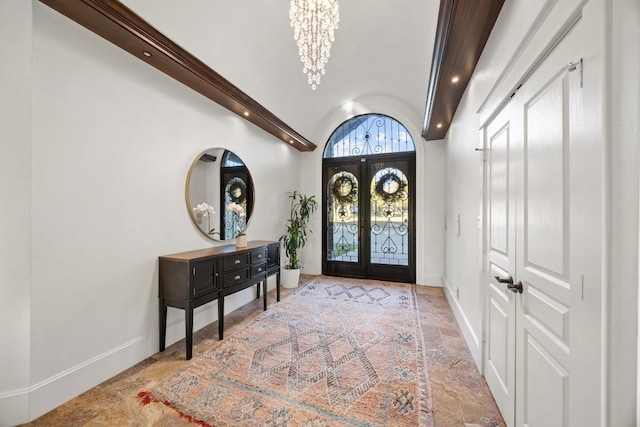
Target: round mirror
[(219, 194)]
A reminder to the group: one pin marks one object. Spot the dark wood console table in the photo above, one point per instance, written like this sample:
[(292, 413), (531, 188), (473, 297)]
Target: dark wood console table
[(188, 280)]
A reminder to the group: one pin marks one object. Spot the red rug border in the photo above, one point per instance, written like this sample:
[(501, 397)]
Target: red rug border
[(148, 397)]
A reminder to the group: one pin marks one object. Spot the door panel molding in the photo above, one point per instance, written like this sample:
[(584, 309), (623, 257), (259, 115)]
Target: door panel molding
[(551, 313), (544, 371)]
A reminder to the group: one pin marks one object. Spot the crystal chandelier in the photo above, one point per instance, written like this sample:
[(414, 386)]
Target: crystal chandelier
[(314, 22)]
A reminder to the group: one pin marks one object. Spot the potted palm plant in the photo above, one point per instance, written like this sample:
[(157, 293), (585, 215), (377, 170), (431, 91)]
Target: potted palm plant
[(295, 236)]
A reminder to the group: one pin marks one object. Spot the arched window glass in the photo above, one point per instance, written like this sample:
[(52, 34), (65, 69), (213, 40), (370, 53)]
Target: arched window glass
[(230, 159), (369, 134)]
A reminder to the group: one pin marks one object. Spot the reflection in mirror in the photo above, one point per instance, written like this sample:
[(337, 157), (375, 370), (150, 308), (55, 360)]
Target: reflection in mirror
[(219, 194)]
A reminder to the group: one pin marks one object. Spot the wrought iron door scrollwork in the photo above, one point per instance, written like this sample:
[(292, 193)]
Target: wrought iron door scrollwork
[(369, 134)]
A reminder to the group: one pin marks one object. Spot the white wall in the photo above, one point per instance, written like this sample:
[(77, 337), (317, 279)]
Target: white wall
[(15, 203), (463, 194), (112, 140)]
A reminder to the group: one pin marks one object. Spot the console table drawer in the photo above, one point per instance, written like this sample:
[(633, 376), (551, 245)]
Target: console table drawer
[(235, 277), (231, 262), (259, 269), (258, 256)]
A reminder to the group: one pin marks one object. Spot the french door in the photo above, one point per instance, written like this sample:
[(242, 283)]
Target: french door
[(543, 249), (369, 217)]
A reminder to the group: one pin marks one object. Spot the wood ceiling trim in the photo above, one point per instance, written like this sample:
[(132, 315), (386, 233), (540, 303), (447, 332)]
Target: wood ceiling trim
[(463, 29), (118, 24)]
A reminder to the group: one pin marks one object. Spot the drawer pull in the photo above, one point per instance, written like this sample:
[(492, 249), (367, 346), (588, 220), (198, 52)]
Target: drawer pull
[(236, 261), (237, 277), (260, 256), (260, 269)]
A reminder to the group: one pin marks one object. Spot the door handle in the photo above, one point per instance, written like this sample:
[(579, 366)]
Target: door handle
[(516, 289), (507, 279)]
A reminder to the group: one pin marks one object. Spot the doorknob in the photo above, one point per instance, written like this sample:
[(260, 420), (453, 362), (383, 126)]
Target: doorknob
[(516, 289), (507, 279)]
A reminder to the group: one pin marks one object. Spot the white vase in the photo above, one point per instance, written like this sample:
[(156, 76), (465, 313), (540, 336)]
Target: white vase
[(241, 241), (289, 277)]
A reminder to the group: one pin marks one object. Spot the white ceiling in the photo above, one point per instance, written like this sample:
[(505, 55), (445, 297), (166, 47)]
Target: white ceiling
[(381, 48)]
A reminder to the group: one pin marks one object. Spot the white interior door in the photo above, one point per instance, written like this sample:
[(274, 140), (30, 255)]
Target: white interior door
[(500, 335), (544, 261), (539, 161)]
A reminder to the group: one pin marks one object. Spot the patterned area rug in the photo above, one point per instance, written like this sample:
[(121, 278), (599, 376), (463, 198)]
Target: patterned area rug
[(337, 352)]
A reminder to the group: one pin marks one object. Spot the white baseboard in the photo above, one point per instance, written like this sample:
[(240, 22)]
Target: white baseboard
[(432, 280), (66, 385), (14, 408), (22, 406), (473, 342)]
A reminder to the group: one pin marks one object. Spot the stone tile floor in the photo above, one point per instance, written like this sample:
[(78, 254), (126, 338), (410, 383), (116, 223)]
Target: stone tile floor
[(460, 394)]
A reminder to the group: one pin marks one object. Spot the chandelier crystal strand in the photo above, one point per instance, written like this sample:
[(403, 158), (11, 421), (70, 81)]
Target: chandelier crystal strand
[(314, 23)]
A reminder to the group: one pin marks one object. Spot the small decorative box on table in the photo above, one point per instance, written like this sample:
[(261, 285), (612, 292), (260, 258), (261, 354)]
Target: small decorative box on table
[(188, 280)]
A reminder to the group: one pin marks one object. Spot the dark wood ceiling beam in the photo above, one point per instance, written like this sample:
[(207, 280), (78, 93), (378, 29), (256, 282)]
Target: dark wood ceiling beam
[(118, 24), (463, 29)]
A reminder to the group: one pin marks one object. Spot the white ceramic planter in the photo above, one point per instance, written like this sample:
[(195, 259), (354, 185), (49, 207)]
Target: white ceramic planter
[(289, 277)]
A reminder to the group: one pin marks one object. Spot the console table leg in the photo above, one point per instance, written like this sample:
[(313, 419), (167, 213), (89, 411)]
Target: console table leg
[(163, 324), (220, 317), (189, 330), (264, 291), (258, 291), (278, 286)]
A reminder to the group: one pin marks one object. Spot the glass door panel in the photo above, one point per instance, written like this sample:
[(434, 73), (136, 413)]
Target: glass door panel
[(342, 217), (343, 227), (389, 201)]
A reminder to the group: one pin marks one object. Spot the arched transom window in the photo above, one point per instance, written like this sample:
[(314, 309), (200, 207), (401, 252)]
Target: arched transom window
[(369, 134)]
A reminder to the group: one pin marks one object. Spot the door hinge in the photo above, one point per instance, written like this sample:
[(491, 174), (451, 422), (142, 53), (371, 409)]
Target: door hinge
[(582, 287), (574, 66)]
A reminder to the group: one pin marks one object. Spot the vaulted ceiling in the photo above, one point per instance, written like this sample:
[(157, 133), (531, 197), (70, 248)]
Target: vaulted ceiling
[(381, 49)]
